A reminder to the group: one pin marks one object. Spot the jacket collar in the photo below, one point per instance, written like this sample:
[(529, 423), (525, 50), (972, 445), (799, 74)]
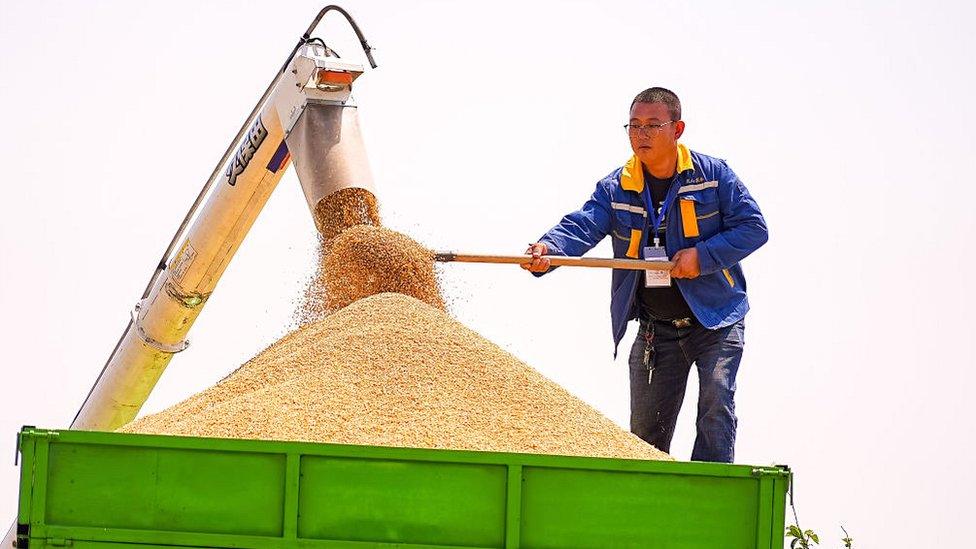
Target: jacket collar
[(632, 175)]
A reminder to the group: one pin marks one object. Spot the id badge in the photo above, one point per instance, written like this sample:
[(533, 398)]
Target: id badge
[(656, 279)]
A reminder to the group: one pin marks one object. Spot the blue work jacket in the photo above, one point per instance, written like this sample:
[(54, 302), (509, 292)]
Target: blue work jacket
[(709, 208)]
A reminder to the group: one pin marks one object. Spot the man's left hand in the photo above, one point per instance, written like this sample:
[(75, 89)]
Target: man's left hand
[(685, 264)]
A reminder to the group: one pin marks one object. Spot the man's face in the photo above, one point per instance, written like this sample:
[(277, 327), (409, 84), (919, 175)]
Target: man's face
[(653, 144)]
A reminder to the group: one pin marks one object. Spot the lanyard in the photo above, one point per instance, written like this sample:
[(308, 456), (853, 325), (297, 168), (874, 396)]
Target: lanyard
[(656, 218)]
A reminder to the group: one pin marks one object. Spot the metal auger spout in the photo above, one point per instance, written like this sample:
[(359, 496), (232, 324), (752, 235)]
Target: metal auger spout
[(329, 156)]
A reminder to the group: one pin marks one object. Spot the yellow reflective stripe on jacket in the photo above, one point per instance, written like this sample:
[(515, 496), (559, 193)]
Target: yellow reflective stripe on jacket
[(633, 250), (728, 277), (689, 219)]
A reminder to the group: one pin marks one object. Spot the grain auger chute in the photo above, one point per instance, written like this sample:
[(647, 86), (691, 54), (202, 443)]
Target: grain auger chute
[(306, 117)]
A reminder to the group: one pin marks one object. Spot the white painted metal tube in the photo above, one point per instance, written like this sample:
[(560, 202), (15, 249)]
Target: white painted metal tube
[(162, 320), (178, 290)]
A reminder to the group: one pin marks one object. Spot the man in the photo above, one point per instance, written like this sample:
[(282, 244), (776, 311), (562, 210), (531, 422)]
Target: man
[(670, 202)]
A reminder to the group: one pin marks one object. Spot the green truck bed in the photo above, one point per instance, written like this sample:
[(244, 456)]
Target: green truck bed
[(122, 491)]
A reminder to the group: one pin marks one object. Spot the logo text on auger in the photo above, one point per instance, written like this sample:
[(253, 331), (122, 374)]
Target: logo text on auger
[(244, 155)]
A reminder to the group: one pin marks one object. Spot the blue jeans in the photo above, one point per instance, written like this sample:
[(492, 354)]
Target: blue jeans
[(657, 389)]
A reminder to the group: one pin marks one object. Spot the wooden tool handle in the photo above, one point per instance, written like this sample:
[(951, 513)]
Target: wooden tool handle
[(560, 261)]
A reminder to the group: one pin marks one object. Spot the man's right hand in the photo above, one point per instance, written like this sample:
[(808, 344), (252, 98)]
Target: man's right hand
[(539, 263)]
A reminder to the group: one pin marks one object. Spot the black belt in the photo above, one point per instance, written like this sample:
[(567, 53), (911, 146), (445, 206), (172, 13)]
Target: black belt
[(686, 322)]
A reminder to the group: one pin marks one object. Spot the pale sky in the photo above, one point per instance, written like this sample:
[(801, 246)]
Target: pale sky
[(850, 122)]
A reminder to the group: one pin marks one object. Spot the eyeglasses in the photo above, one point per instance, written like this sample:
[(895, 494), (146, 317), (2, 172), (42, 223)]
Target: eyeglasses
[(635, 130)]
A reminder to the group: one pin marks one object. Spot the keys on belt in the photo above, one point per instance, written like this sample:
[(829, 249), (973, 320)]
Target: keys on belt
[(649, 351), (648, 326), (686, 322), (681, 322)]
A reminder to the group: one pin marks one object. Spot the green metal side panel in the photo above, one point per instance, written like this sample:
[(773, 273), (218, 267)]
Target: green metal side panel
[(627, 509), (403, 501), (120, 491), (160, 488)]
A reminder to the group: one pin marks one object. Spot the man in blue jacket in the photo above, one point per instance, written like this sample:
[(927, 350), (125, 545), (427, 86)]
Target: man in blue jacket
[(669, 201)]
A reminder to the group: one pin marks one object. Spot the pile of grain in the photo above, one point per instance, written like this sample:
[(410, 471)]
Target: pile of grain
[(376, 361), (390, 370)]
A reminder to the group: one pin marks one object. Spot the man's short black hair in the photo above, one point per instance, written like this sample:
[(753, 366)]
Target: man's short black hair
[(660, 95)]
